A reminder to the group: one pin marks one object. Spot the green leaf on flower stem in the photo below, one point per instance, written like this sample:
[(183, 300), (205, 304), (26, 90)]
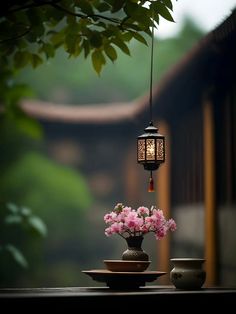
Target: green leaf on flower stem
[(17, 255), (162, 10)]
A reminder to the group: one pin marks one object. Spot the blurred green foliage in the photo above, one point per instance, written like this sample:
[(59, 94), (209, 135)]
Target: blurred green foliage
[(17, 226), (56, 193), (73, 81), (53, 190)]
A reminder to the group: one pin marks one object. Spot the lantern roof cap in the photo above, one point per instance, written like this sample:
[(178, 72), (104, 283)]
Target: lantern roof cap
[(151, 129)]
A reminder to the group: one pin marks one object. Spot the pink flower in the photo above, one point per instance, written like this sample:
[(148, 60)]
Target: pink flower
[(142, 211), (172, 224), (126, 222)]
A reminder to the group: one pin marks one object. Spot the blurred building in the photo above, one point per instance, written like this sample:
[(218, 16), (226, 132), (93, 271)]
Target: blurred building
[(195, 107)]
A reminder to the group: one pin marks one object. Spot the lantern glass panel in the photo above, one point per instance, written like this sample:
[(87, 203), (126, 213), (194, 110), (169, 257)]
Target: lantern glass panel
[(160, 149), (150, 149), (141, 150)]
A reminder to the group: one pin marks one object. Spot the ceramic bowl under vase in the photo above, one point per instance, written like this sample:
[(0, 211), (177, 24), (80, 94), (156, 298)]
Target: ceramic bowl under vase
[(126, 266), (188, 273)]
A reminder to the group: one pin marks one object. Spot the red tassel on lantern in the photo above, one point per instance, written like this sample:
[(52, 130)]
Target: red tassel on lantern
[(151, 184)]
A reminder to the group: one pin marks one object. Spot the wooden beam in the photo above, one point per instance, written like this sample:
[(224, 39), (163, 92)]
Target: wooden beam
[(209, 193)]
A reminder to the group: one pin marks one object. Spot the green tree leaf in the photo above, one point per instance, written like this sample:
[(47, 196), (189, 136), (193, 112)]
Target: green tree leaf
[(98, 60), (29, 126), (36, 60), (37, 225), (95, 39), (17, 255), (12, 208), (117, 5), (13, 219), (57, 38), (131, 8), (127, 36), (85, 7), (25, 211), (162, 10), (168, 4), (102, 7), (48, 49), (140, 38), (21, 59), (119, 43), (86, 47), (71, 43), (110, 52)]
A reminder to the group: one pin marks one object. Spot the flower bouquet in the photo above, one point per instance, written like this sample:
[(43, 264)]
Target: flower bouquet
[(132, 224), (128, 222)]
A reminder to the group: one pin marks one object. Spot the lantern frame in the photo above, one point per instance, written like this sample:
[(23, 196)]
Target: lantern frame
[(151, 148)]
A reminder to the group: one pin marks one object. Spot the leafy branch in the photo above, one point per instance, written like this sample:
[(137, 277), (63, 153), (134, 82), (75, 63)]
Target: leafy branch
[(96, 28)]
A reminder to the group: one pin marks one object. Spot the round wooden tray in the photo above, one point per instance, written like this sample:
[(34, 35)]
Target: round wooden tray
[(123, 280)]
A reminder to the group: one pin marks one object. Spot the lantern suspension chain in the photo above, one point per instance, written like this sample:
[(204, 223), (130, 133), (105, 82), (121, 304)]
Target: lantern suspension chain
[(151, 182)]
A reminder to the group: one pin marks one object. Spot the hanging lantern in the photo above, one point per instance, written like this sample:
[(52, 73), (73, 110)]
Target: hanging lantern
[(151, 151)]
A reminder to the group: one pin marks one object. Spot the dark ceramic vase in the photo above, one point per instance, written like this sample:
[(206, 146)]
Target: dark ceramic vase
[(188, 273), (134, 251)]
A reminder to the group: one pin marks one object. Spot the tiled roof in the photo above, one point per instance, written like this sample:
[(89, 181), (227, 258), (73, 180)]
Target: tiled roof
[(92, 113)]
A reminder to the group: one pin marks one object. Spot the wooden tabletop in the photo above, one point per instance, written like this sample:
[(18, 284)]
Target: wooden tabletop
[(68, 297)]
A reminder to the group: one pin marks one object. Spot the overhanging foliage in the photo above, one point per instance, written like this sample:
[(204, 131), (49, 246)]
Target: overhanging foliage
[(31, 31)]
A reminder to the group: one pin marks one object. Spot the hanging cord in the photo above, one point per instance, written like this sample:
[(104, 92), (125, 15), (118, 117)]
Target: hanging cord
[(151, 181), (151, 75)]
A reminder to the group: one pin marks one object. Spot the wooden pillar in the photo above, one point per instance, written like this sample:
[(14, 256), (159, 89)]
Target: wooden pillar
[(163, 202), (209, 193)]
